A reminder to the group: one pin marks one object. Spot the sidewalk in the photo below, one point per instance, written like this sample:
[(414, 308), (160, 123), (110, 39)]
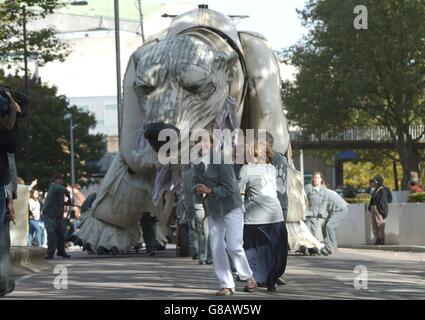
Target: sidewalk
[(391, 275)]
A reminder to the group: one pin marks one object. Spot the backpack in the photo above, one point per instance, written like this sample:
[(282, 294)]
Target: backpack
[(389, 195)]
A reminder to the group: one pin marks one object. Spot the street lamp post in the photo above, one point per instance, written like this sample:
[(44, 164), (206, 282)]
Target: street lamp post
[(118, 63), (28, 153), (302, 162), (26, 86), (142, 29), (24, 22), (68, 116)]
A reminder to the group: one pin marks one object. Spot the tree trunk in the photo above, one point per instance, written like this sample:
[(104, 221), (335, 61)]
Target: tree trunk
[(409, 159)]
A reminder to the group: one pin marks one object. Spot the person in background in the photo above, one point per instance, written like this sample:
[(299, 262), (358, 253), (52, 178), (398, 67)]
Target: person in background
[(182, 223), (35, 231), (148, 225), (317, 201), (372, 190), (78, 199), (188, 199), (53, 216), (337, 210), (12, 187), (31, 186), (11, 195), (9, 134), (378, 208), (414, 186), (73, 214), (42, 226), (281, 164), (265, 236), (198, 228)]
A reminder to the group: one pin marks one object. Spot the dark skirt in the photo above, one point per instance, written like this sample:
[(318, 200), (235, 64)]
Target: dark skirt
[(266, 248)]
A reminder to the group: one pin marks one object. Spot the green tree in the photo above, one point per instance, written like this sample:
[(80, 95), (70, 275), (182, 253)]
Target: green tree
[(42, 44), (50, 135), (367, 77), (357, 173)]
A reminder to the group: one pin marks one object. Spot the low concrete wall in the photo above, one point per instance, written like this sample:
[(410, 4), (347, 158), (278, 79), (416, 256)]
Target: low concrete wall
[(26, 260), (400, 196), (412, 223), (352, 230), (404, 225)]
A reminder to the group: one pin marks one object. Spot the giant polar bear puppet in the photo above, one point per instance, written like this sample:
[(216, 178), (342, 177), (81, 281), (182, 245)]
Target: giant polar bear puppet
[(199, 73)]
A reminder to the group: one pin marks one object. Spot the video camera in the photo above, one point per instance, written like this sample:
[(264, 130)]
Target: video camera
[(20, 99)]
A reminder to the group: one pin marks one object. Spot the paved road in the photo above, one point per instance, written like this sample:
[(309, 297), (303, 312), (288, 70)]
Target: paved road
[(390, 275)]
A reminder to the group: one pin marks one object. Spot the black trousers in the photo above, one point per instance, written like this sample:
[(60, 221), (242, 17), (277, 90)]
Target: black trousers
[(149, 233), (55, 227), (266, 248)]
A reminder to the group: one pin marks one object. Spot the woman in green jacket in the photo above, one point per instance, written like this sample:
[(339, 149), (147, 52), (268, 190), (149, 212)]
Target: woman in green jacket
[(317, 201)]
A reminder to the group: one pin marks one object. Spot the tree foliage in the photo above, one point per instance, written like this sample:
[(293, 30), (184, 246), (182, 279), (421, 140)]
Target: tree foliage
[(50, 135), (367, 77), (42, 44), (358, 173)]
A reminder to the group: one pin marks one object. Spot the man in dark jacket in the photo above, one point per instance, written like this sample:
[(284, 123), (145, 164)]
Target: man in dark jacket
[(6, 285), (8, 144), (378, 208), (53, 217)]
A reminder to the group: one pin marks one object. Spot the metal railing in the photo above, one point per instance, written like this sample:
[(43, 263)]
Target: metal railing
[(357, 134)]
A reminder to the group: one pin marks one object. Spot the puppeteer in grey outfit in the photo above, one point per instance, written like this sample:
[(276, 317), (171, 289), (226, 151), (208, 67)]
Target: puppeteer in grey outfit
[(337, 210), (316, 209)]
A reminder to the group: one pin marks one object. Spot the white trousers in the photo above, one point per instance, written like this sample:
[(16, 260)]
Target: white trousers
[(227, 233)]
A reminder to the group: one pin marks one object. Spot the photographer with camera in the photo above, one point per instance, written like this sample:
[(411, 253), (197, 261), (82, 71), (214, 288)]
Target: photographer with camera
[(9, 110)]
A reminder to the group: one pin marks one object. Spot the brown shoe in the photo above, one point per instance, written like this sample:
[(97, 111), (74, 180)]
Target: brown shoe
[(251, 285), (224, 292)]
